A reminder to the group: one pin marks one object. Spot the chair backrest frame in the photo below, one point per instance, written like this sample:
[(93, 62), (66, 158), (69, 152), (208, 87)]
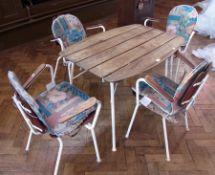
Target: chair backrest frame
[(27, 106), (68, 28), (181, 21)]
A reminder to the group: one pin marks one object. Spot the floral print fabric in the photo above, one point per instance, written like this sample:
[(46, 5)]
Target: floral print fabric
[(182, 20), (68, 28)]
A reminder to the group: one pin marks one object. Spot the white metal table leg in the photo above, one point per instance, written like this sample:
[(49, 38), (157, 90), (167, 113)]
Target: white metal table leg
[(165, 138), (112, 101)]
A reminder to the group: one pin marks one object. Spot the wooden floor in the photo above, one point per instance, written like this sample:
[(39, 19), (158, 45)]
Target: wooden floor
[(192, 153)]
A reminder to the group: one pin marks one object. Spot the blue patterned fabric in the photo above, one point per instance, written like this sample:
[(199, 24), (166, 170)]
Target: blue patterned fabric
[(182, 20), (60, 101), (167, 85), (51, 105), (68, 28), (160, 104)]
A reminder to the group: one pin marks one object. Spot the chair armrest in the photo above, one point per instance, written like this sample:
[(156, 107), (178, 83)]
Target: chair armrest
[(78, 109), (185, 59), (150, 82), (96, 27), (36, 74), (59, 41), (148, 19)]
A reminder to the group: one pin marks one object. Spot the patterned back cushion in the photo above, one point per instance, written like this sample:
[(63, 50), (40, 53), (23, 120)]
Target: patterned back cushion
[(187, 81), (68, 28), (182, 20), (24, 95)]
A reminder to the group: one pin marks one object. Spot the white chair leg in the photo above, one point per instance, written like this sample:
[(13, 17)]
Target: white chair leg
[(166, 67), (98, 158), (112, 101), (70, 72), (166, 139), (56, 67), (29, 141), (177, 69), (132, 120), (171, 66), (186, 122), (58, 155)]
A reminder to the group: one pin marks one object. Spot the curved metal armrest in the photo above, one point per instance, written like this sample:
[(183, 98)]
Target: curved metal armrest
[(188, 43), (59, 41), (36, 74), (185, 59), (150, 82), (148, 19), (96, 27)]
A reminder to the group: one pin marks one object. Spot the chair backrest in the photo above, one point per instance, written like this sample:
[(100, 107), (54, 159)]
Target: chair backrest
[(28, 106), (188, 86), (182, 20), (68, 28), (195, 85)]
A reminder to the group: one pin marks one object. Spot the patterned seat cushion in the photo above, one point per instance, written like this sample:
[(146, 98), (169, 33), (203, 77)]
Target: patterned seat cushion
[(69, 28), (182, 20), (60, 101), (157, 99)]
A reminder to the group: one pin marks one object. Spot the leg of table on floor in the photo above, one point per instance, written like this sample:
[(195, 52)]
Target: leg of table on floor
[(112, 102)]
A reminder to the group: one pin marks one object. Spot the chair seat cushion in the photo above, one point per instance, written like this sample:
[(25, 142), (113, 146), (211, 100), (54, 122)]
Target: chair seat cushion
[(60, 101), (157, 99)]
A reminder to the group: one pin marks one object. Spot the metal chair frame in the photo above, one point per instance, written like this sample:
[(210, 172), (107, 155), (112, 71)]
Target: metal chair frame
[(189, 103), (34, 130), (70, 65), (182, 51)]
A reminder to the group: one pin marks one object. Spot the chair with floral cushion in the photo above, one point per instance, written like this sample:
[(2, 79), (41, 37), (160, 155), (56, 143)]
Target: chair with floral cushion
[(167, 98), (181, 21), (67, 29), (60, 110)]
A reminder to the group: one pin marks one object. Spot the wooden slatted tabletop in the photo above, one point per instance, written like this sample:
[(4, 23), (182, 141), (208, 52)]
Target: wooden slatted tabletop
[(123, 52)]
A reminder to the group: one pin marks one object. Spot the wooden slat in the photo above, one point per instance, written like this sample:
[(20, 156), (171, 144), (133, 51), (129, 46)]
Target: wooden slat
[(89, 41), (104, 45), (97, 59), (112, 65), (147, 62)]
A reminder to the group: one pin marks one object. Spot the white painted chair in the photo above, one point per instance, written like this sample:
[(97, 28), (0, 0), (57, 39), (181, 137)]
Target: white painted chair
[(60, 110), (67, 30), (181, 21), (167, 98)]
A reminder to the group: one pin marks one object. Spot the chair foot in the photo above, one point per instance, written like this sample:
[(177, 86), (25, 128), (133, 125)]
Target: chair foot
[(168, 159), (114, 149)]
